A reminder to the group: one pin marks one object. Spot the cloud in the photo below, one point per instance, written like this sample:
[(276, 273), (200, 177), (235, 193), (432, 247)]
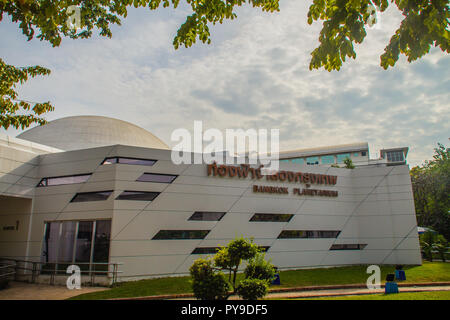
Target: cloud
[(254, 75)]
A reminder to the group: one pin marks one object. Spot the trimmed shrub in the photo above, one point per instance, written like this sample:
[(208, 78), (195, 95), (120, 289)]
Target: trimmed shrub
[(206, 284), (259, 268), (252, 289)]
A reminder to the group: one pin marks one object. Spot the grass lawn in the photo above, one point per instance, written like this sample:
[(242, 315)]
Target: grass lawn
[(434, 295), (428, 272)]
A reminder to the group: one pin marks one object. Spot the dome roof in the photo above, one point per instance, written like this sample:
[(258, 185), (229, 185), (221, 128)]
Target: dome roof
[(82, 132)]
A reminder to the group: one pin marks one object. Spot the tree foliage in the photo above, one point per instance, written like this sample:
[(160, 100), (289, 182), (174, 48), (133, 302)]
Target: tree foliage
[(14, 112), (208, 281), (425, 24), (431, 188)]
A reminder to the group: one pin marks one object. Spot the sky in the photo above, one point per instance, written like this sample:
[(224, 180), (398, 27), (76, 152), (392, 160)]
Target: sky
[(255, 74)]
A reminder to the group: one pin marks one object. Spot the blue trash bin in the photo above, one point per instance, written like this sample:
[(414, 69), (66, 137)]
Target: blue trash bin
[(390, 287), (276, 279), (400, 275)]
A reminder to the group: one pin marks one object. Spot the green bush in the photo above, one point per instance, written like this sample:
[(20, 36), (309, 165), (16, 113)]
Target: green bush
[(259, 268), (252, 289), (206, 284)]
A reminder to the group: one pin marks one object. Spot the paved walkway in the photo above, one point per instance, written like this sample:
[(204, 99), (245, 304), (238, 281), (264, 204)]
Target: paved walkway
[(31, 291), (27, 291), (346, 292)]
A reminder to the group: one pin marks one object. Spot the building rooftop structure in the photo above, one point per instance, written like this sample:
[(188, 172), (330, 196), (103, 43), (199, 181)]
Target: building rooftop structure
[(82, 132)]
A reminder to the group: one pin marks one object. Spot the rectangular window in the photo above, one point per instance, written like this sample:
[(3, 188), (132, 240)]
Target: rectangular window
[(300, 234), (56, 181), (180, 234), (312, 160), (363, 153), (285, 160), (131, 161), (157, 177), (66, 241), (207, 216), (395, 156), (138, 195), (271, 217), (356, 246), (91, 196), (101, 240), (76, 242), (327, 159), (84, 241), (342, 157)]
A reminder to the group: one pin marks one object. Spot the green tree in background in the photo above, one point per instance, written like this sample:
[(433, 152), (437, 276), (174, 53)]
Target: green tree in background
[(425, 24), (431, 188)]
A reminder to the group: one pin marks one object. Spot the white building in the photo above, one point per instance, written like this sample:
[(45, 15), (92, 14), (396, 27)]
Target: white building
[(94, 189)]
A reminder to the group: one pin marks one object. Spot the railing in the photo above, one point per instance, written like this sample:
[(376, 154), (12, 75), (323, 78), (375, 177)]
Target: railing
[(35, 269), (6, 271)]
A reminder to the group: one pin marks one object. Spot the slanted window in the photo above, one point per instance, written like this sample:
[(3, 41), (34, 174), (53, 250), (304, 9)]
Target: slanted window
[(131, 161), (207, 216), (56, 181), (157, 177), (352, 246), (138, 195), (272, 217), (205, 250), (180, 234), (300, 234), (91, 196), (213, 250)]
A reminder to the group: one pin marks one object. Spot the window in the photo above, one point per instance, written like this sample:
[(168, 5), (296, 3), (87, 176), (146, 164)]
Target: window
[(342, 157), (213, 250), (56, 181), (312, 160), (157, 177), (207, 216), (395, 156), (91, 196), (271, 217), (363, 153), (356, 154), (180, 234), (285, 160), (205, 250), (101, 241), (138, 195), (132, 161), (294, 234), (355, 246), (327, 159), (72, 242), (298, 160)]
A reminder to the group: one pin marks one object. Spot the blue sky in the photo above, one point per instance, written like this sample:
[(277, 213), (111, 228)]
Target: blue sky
[(254, 75)]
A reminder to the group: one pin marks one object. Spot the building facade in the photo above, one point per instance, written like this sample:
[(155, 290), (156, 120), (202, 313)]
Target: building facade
[(71, 194)]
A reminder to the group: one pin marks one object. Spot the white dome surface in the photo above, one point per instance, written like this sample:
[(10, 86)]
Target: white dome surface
[(82, 132)]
